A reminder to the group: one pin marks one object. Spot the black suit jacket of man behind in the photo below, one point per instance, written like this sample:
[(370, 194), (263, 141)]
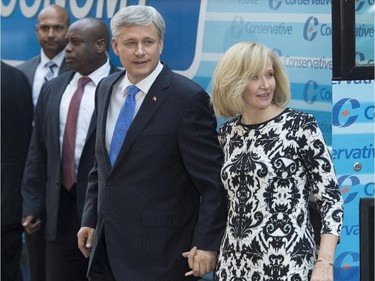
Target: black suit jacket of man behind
[(164, 193), (16, 126), (42, 172)]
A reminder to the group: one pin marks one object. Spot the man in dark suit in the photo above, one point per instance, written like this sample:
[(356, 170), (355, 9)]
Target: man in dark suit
[(46, 183), (162, 195), (53, 21), (16, 125)]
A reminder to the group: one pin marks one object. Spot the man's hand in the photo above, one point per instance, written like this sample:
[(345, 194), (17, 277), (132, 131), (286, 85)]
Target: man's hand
[(201, 262), (31, 224), (85, 238)]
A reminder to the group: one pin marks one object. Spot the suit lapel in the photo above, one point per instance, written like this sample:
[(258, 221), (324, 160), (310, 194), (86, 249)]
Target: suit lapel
[(102, 114), (63, 67), (31, 72)]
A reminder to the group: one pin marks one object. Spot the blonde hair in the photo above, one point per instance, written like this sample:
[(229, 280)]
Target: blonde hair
[(237, 67)]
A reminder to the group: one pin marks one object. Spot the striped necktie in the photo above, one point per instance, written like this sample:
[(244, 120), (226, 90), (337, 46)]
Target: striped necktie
[(50, 74)]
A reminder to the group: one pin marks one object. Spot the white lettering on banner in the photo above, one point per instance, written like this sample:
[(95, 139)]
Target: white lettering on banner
[(30, 9), (7, 10), (358, 82), (111, 6), (81, 12)]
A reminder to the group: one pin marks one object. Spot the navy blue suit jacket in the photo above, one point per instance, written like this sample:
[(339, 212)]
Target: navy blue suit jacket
[(164, 193)]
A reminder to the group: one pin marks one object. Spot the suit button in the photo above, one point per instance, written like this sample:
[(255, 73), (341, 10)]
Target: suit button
[(109, 183)]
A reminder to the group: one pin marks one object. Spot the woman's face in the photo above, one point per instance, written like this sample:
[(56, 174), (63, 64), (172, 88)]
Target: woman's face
[(259, 91)]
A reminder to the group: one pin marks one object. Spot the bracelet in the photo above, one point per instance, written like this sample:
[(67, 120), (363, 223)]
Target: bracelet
[(330, 263)]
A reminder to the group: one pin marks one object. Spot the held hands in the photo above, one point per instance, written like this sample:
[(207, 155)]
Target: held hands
[(200, 261), (322, 271), (85, 238), (31, 224)]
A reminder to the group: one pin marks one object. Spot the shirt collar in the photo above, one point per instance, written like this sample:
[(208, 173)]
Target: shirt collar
[(145, 84), (58, 59), (98, 74)]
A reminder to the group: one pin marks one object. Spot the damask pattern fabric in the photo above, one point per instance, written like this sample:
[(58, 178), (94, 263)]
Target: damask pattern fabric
[(268, 172)]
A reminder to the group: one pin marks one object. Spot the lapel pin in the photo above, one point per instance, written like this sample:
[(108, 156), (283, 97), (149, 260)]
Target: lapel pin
[(154, 98)]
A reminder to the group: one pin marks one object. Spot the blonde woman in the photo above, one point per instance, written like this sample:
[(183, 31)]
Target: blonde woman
[(274, 157)]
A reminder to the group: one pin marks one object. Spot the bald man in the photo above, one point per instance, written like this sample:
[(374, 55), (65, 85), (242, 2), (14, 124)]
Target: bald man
[(59, 158), (53, 22)]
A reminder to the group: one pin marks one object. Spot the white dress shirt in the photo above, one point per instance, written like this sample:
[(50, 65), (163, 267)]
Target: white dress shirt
[(119, 95), (42, 70), (86, 108)]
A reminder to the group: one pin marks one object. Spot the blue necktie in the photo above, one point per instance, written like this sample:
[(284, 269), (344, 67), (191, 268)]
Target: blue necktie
[(123, 123)]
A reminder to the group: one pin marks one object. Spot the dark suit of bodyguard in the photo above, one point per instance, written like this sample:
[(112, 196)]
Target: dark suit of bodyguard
[(44, 185)]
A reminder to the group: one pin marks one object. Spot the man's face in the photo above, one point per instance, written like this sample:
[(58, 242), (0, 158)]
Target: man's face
[(81, 51), (51, 30), (139, 48)]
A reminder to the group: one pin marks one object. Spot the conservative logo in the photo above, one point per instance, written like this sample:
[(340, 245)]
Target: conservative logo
[(359, 4), (274, 4), (343, 112), (360, 58), (311, 92), (310, 29), (347, 111), (354, 181), (347, 262)]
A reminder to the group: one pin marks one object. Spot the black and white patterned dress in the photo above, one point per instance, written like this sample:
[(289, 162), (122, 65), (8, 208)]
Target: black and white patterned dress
[(268, 172)]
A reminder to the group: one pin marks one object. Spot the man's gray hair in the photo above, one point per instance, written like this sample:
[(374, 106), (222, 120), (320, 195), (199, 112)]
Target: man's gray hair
[(137, 15)]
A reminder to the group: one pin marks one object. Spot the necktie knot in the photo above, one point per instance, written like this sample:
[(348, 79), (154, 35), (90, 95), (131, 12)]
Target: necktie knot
[(132, 90), (83, 81), (51, 64)]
